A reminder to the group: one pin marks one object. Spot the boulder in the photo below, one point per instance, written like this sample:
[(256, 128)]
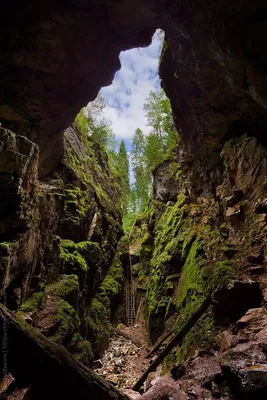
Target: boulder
[(248, 383), (231, 302)]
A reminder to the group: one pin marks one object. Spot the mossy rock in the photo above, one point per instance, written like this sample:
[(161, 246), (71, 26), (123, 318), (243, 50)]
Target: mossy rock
[(198, 280), (98, 326), (34, 304), (68, 333), (78, 258), (67, 288), (164, 262), (105, 305)]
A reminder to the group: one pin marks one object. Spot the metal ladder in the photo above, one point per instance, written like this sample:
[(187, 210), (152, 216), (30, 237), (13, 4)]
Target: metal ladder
[(130, 306), (129, 291)]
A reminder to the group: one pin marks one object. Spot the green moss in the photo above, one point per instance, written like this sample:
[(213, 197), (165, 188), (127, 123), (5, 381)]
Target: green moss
[(201, 335), (198, 280), (165, 47), (190, 284), (146, 239), (68, 323), (95, 182), (34, 303), (68, 333), (222, 273), (78, 257), (64, 292), (81, 349), (88, 249), (4, 246), (99, 326), (71, 258), (166, 242), (174, 172), (81, 123), (5, 251), (112, 282), (75, 205), (66, 286), (185, 237), (104, 305)]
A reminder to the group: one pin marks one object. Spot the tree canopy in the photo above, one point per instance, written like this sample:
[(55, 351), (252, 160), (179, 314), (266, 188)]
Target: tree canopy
[(92, 123), (147, 150), (150, 150)]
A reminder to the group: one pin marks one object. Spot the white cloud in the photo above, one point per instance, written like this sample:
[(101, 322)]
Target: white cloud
[(130, 88)]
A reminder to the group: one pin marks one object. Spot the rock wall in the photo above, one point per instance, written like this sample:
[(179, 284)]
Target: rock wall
[(213, 68), (58, 57), (208, 240), (59, 237)]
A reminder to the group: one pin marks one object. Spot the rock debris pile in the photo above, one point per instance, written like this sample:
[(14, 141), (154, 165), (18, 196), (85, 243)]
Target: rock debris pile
[(124, 360)]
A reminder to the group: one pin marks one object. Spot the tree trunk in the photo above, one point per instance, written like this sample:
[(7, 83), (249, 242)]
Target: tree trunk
[(173, 342), (50, 371), (159, 344)]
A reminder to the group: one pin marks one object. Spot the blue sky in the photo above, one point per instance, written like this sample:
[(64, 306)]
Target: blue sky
[(130, 88)]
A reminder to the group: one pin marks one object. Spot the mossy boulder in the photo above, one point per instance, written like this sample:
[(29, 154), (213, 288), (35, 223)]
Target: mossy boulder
[(55, 314), (87, 260)]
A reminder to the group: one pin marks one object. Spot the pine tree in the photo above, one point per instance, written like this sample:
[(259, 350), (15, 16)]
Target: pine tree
[(163, 137), (92, 124), (123, 172), (142, 178)]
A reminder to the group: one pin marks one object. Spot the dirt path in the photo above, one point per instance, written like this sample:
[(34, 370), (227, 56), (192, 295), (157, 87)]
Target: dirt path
[(124, 362)]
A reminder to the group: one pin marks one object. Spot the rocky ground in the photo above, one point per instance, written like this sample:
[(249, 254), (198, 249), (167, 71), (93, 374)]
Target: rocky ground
[(237, 369), (125, 360)]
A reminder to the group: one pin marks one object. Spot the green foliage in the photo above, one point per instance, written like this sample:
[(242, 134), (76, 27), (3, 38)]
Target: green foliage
[(151, 150), (128, 221), (163, 138), (81, 122), (142, 176), (91, 123), (123, 172)]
